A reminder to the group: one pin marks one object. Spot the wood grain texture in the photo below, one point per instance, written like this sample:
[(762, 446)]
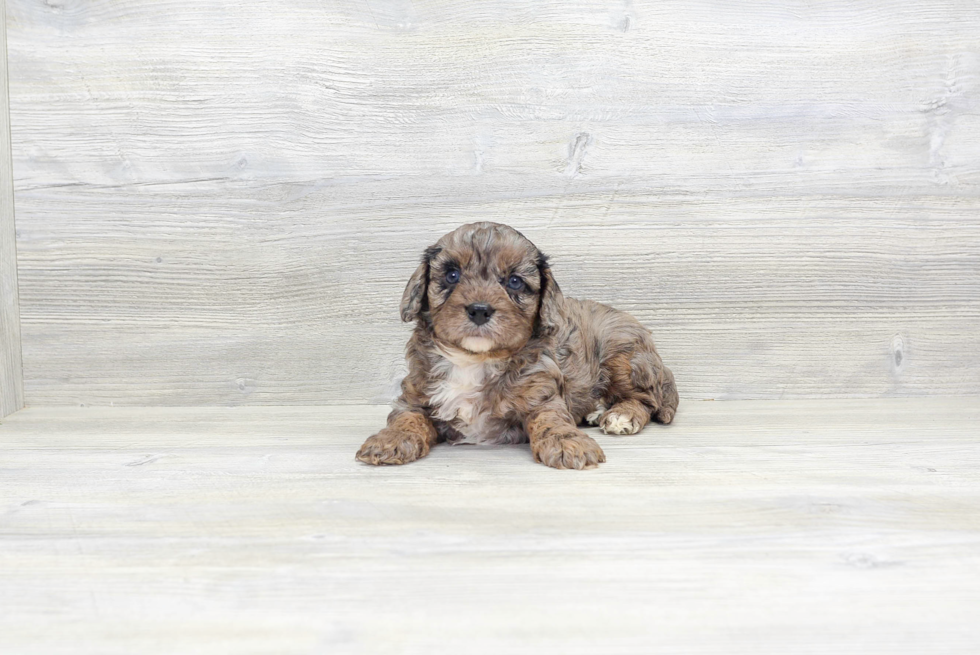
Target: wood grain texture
[(11, 373), (220, 204), (746, 527)]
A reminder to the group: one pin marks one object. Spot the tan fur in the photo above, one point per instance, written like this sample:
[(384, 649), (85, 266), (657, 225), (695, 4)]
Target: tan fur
[(533, 372)]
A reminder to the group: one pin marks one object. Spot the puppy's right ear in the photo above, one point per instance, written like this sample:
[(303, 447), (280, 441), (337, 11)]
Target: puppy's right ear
[(415, 299)]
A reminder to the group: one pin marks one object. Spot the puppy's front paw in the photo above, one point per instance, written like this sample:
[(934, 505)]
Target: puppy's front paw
[(393, 447), (571, 450)]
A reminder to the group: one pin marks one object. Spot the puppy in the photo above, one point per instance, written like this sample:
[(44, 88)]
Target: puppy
[(498, 355)]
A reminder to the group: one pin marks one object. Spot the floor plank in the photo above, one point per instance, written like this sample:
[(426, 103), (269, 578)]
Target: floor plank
[(756, 526)]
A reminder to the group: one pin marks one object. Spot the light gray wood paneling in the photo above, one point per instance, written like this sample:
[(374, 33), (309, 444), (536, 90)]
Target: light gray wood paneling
[(220, 204), (11, 373), (746, 527)]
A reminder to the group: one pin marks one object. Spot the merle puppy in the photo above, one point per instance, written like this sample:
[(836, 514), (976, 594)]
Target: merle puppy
[(498, 355)]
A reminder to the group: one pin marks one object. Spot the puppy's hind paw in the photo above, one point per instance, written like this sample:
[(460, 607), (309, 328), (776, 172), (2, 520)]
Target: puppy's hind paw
[(665, 414), (593, 418), (616, 423)]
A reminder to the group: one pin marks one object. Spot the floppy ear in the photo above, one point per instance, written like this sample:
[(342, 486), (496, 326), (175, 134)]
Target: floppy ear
[(415, 300), (552, 300)]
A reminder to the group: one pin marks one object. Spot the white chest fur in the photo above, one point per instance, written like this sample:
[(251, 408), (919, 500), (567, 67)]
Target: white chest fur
[(458, 396)]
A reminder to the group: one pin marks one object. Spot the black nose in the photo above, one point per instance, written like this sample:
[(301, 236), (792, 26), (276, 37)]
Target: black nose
[(479, 312)]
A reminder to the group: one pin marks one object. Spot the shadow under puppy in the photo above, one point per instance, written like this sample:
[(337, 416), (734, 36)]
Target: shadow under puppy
[(498, 355)]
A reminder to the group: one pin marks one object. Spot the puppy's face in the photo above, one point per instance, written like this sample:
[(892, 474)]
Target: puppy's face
[(483, 286)]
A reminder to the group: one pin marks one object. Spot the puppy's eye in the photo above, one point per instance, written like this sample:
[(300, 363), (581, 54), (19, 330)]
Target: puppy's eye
[(514, 282), (452, 276)]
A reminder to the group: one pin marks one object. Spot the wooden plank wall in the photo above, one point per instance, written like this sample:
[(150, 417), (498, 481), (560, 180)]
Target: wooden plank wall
[(11, 375), (221, 202)]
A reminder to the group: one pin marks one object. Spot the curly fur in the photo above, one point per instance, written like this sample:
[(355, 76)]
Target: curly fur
[(539, 367)]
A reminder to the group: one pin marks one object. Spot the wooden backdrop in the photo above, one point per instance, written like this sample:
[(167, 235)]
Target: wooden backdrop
[(220, 202), (11, 375)]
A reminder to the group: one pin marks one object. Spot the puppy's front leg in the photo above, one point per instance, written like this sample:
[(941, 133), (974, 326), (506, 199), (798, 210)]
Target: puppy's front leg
[(408, 436), (556, 442)]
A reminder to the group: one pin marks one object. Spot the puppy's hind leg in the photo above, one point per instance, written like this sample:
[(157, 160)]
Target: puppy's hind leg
[(642, 388), (668, 398), (654, 384)]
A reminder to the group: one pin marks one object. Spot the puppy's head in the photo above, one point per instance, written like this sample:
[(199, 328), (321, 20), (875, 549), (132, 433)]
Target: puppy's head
[(484, 288)]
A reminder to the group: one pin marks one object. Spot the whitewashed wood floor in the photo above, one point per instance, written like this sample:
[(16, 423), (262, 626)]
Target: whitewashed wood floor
[(746, 527)]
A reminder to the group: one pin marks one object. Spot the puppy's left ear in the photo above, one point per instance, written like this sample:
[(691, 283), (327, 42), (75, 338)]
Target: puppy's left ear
[(552, 301), (415, 300)]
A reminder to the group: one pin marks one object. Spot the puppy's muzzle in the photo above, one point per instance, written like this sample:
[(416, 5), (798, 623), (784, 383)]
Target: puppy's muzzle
[(479, 312)]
